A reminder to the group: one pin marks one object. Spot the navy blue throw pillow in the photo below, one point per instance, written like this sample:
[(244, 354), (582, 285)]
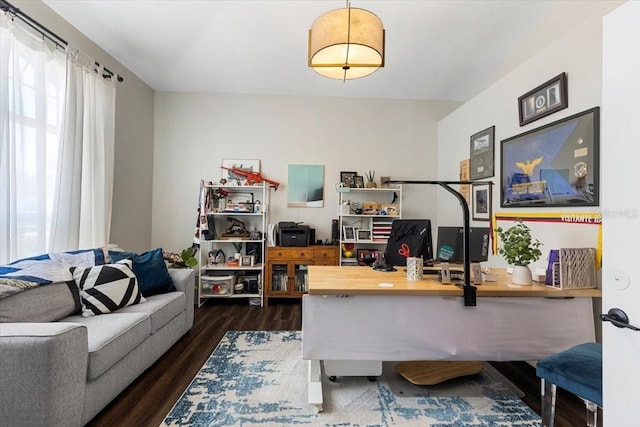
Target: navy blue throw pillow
[(150, 270)]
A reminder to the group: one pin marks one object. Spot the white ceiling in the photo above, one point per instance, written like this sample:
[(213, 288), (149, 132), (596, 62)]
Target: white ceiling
[(436, 49)]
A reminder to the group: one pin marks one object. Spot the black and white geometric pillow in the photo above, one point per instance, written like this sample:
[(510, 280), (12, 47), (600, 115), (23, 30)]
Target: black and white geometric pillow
[(106, 288)]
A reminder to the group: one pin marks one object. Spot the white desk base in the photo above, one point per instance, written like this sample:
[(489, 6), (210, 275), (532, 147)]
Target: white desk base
[(401, 328)]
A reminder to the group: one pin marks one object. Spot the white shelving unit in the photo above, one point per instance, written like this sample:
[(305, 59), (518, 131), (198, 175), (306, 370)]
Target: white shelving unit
[(229, 211), (365, 217)]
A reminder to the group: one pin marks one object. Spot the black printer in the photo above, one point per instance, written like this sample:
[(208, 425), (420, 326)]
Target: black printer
[(292, 234)]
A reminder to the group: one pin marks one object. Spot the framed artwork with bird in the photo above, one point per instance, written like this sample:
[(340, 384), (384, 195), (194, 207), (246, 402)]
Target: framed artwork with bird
[(554, 165)]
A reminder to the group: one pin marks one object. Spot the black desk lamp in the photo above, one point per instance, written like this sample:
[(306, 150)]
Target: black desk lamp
[(469, 291)]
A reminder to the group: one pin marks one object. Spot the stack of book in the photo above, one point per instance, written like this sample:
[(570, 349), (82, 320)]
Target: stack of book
[(381, 229)]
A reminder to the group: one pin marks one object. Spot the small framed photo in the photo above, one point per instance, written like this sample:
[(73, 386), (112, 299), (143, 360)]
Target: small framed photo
[(347, 178), (482, 154), (549, 97), (348, 232), (247, 260), (481, 201), (363, 234), (383, 181), (358, 181)]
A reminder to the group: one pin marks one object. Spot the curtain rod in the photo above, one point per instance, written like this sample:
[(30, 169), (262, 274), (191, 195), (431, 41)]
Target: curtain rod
[(5, 6)]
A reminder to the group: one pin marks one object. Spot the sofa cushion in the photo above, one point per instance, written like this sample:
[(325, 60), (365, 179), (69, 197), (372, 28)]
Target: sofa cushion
[(150, 269), (106, 288), (46, 303), (111, 337), (161, 308)]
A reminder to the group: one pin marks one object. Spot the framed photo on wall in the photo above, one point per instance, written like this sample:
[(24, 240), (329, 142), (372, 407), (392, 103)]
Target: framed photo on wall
[(549, 97), (465, 189), (481, 195), (481, 154), (305, 186), (554, 165)]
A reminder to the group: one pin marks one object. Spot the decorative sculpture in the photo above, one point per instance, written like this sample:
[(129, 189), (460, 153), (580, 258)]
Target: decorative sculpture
[(236, 228)]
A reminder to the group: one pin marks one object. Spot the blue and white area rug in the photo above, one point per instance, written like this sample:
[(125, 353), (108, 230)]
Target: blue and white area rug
[(258, 378)]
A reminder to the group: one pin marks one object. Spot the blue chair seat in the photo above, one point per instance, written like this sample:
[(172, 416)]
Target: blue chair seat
[(577, 370)]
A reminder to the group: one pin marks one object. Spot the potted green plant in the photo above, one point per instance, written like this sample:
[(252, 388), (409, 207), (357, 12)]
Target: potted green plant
[(186, 259), (519, 249)]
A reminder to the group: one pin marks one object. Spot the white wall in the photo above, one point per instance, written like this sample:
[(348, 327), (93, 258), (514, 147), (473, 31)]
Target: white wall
[(133, 166), (194, 132), (579, 54)]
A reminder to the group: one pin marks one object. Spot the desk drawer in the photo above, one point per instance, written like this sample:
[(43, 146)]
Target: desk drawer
[(325, 254), (289, 253)]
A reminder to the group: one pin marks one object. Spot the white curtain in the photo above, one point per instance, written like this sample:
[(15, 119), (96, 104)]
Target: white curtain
[(32, 80), (84, 186)]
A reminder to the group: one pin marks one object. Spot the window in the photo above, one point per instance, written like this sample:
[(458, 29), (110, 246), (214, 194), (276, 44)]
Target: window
[(31, 104)]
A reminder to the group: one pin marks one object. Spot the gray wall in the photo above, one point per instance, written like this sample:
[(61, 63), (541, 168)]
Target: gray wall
[(132, 190), (195, 132)]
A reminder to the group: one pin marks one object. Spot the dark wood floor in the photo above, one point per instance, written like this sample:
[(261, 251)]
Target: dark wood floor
[(148, 399)]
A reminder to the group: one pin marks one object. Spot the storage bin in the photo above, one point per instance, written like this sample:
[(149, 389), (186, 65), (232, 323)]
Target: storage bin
[(218, 285)]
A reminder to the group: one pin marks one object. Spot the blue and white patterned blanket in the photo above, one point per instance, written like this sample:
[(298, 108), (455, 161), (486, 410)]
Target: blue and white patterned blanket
[(45, 269)]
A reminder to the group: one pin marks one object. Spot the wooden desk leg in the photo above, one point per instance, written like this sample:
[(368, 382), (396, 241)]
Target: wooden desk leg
[(315, 385)]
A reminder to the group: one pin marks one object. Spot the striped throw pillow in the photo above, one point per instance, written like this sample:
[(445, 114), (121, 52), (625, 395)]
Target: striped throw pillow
[(106, 288)]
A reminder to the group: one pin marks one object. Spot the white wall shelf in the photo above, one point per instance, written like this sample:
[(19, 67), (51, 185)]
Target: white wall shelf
[(372, 225), (219, 280)]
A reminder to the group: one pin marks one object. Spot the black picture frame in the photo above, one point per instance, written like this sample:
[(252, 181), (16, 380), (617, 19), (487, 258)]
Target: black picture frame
[(554, 165), (347, 178), (358, 181), (549, 97), (482, 154), (482, 200)]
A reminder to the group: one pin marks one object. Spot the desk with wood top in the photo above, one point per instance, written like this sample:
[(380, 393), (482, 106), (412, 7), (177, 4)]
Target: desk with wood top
[(362, 315)]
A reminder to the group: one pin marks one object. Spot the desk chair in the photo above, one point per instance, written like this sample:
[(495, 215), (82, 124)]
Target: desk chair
[(577, 370)]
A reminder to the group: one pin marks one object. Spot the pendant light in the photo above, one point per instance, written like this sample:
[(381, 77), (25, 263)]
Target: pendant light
[(346, 43)]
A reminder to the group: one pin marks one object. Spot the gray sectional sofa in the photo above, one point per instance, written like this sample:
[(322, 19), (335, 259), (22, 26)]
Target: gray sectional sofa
[(63, 372)]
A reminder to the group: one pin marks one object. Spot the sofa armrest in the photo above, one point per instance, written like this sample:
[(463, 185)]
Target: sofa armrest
[(184, 279), (43, 372)]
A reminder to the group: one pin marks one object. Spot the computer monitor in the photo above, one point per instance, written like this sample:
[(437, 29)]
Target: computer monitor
[(450, 240), (415, 234)]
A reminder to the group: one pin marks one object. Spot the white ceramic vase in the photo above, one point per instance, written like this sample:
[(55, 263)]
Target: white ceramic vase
[(521, 275)]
